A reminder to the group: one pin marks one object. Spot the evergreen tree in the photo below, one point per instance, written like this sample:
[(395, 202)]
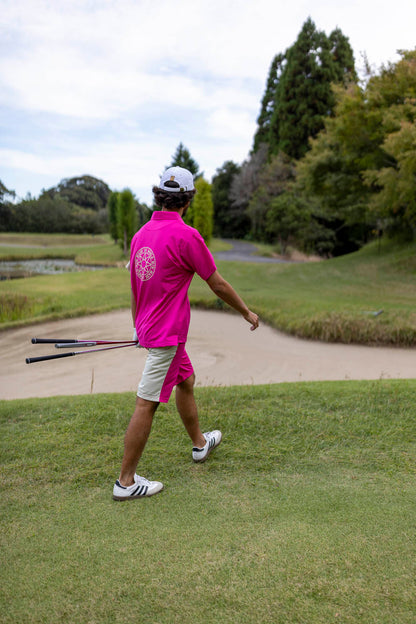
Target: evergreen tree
[(112, 215), (225, 222), (342, 58), (303, 94), (126, 219), (183, 158), (299, 93), (268, 102), (200, 214), (5, 207)]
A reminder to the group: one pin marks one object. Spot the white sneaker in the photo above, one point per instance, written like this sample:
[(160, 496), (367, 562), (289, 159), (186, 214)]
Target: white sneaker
[(213, 439), (140, 489)]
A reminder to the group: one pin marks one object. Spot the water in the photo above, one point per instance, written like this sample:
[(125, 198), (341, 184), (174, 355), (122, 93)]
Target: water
[(28, 268)]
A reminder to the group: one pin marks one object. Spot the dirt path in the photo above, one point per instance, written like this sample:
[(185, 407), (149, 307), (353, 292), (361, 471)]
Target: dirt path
[(223, 350)]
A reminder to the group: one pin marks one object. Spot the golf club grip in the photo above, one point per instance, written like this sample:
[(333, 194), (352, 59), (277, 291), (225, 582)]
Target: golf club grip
[(51, 340), (48, 357)]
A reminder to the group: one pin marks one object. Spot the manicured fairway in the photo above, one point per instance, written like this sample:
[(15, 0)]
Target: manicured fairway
[(305, 513)]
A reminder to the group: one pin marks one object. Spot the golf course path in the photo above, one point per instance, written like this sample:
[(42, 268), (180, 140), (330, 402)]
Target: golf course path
[(223, 350)]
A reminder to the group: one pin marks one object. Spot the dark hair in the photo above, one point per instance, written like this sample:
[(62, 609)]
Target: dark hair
[(172, 201)]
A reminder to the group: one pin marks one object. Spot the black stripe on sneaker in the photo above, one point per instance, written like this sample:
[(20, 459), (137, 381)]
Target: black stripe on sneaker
[(121, 486), (141, 490), (211, 442)]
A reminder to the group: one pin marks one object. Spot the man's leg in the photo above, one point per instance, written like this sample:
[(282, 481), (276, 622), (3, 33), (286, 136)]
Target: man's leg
[(135, 439), (185, 403)]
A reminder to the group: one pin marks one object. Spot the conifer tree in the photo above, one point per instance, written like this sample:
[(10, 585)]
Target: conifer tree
[(227, 222), (302, 80), (268, 102), (182, 158), (200, 214), (112, 215), (304, 92), (342, 58), (126, 218)]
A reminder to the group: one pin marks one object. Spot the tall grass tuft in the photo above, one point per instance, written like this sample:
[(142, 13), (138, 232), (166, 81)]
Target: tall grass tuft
[(14, 306)]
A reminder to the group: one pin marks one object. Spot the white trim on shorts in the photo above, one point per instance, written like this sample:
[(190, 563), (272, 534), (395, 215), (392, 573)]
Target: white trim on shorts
[(156, 368)]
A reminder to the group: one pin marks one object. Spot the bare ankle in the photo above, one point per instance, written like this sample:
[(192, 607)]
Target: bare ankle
[(126, 481), (200, 443)]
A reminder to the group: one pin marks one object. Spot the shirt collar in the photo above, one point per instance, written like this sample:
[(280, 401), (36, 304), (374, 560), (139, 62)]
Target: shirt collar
[(166, 215)]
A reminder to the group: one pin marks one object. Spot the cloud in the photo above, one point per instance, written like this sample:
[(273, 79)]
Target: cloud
[(110, 87)]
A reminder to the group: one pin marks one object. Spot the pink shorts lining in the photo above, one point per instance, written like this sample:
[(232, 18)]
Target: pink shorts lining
[(165, 368)]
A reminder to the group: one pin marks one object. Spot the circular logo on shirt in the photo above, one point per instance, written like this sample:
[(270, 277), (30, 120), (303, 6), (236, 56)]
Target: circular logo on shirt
[(145, 264)]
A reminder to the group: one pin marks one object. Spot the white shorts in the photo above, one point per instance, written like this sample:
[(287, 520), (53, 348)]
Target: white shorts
[(165, 368)]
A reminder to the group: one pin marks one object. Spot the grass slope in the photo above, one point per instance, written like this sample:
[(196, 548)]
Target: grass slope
[(331, 301), (305, 514)]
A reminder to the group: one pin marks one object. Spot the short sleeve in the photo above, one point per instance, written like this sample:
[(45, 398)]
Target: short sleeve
[(197, 256)]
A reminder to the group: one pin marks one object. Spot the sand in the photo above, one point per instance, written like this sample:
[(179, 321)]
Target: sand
[(223, 350)]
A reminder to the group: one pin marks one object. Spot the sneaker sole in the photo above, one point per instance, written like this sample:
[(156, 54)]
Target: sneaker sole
[(121, 499), (201, 461)]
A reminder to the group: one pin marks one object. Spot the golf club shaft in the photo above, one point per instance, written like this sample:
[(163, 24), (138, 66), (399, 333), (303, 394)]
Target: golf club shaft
[(62, 355), (75, 341), (93, 343)]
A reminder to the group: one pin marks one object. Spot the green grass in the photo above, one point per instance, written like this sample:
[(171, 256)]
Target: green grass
[(99, 249), (331, 300), (83, 248), (305, 513)]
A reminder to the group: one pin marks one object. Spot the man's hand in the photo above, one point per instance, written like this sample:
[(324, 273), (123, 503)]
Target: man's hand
[(252, 318), (135, 339), (226, 292)]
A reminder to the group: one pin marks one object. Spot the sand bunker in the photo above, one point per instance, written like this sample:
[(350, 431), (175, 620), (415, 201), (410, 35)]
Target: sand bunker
[(223, 350)]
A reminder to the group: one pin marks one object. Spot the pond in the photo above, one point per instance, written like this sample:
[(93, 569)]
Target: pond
[(29, 268)]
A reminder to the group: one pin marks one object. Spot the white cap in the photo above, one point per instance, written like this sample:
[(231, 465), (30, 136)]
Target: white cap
[(177, 180)]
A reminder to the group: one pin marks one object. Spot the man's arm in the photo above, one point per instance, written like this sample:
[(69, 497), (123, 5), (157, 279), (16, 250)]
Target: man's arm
[(226, 292)]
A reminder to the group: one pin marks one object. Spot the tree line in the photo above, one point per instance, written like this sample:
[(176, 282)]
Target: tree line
[(87, 205), (333, 163)]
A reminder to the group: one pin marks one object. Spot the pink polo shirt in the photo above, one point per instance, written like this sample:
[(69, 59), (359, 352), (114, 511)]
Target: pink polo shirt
[(165, 255)]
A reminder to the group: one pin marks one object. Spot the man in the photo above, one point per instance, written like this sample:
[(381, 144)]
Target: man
[(165, 255)]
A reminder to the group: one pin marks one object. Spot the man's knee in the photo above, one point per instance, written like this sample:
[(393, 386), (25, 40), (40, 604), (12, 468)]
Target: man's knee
[(145, 405), (188, 384)]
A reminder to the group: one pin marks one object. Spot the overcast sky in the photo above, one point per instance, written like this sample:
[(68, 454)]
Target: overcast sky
[(111, 87)]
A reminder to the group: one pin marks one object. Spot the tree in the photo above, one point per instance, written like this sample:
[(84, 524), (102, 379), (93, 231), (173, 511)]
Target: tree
[(126, 219), (288, 219), (268, 102), (393, 95), (200, 213), (342, 58), (360, 170), (143, 212), (112, 214), (244, 184), (85, 191), (273, 180), (226, 221), (330, 174), (5, 207), (396, 199), (183, 158), (298, 95)]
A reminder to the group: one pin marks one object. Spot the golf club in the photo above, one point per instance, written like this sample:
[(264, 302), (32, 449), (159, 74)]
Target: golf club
[(80, 343), (43, 358)]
